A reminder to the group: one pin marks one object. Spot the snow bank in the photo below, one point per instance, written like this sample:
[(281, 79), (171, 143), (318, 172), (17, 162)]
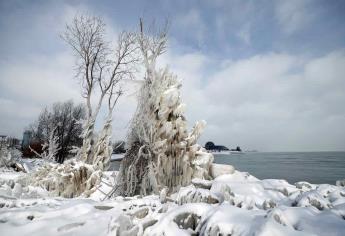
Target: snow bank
[(221, 169), (232, 204)]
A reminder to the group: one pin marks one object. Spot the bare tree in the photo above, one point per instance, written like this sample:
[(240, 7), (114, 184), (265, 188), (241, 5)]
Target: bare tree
[(99, 67), (61, 124)]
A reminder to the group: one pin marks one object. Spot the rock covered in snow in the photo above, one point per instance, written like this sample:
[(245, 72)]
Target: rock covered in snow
[(235, 204), (313, 198), (307, 220), (305, 186), (181, 220), (242, 191), (221, 169), (192, 194), (17, 190), (123, 225), (202, 183), (340, 183), (226, 219)]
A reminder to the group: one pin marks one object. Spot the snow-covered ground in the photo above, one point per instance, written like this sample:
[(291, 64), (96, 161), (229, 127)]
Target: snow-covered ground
[(231, 204)]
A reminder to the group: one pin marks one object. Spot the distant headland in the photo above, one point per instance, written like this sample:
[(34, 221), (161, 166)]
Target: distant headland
[(210, 146)]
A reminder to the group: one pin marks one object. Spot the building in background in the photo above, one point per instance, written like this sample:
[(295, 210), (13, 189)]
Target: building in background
[(27, 138)]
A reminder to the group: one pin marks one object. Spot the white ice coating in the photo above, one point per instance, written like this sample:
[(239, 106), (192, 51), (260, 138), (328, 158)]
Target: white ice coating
[(236, 204), (162, 152)]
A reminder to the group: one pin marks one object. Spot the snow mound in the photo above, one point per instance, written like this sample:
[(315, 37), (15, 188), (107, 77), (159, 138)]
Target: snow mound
[(232, 204), (226, 219), (192, 194), (220, 169), (313, 198)]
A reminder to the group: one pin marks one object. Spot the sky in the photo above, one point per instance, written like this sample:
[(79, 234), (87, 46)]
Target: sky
[(265, 75)]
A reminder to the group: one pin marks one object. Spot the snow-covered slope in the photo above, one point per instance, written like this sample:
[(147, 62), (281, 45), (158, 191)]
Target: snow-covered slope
[(232, 204)]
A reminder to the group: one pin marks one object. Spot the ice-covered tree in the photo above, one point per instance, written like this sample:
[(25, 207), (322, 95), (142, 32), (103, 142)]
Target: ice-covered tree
[(100, 68), (161, 152), (103, 147), (51, 149)]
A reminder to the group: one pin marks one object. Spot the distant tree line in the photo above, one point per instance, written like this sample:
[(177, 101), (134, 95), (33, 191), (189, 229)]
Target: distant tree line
[(212, 147), (63, 121)]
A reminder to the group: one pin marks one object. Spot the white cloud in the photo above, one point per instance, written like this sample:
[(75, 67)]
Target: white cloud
[(293, 15), (36, 73), (42, 79), (26, 86), (191, 24), (270, 101), (267, 102)]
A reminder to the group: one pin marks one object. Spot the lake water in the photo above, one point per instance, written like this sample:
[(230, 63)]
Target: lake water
[(313, 167)]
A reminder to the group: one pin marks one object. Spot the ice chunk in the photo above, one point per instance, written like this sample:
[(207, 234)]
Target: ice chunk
[(221, 169)]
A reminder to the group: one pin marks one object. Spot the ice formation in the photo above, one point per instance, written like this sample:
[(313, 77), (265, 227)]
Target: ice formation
[(50, 149), (71, 179), (162, 153), (103, 147), (231, 204), (10, 158), (76, 177)]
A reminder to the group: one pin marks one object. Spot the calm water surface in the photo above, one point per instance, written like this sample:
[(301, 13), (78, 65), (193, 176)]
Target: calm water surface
[(313, 167)]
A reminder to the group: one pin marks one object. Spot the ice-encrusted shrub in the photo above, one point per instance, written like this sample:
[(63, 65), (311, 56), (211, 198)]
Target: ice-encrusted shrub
[(71, 179), (313, 198), (192, 194), (9, 157), (162, 152)]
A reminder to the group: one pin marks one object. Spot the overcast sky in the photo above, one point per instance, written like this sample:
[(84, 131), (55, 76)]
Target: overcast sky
[(265, 75)]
